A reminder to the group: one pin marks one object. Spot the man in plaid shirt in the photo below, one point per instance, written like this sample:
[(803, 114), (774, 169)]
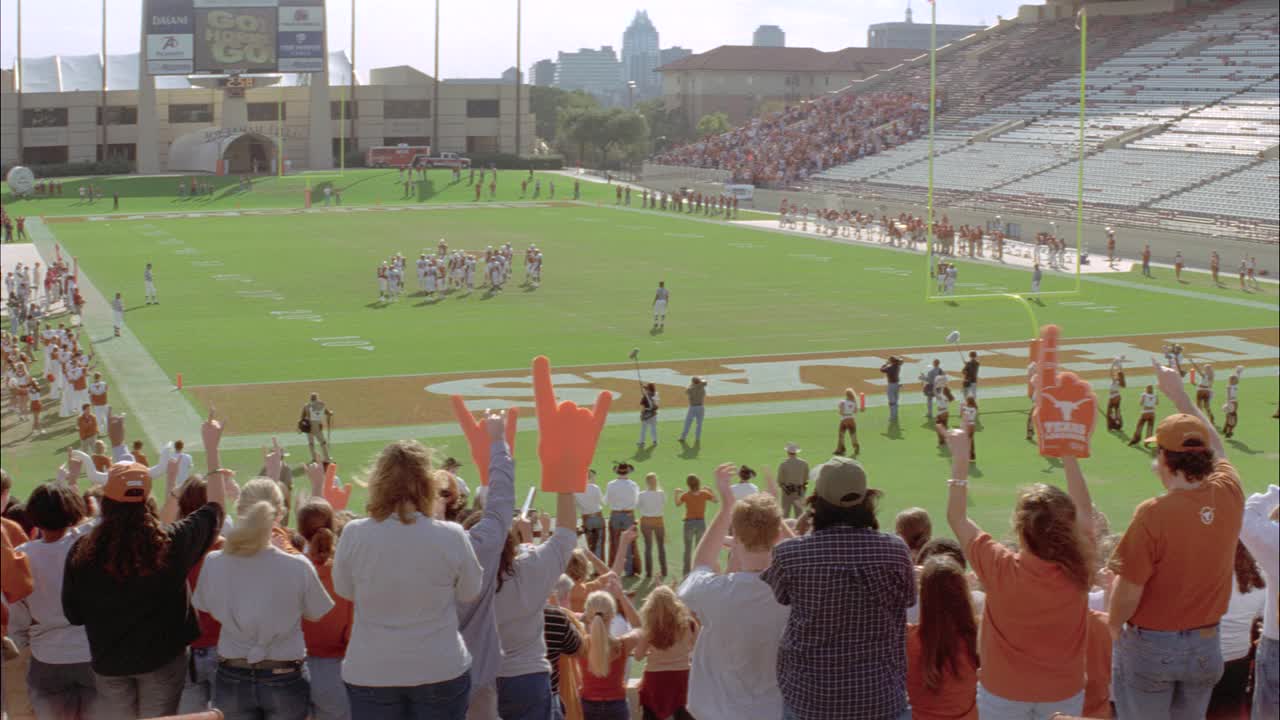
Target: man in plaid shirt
[(843, 655)]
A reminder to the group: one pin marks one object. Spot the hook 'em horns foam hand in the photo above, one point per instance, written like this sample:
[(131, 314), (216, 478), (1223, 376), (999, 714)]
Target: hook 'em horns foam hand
[(1066, 407), (567, 434), (478, 439)]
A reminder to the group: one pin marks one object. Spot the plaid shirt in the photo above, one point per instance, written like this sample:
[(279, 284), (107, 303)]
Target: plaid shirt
[(843, 655)]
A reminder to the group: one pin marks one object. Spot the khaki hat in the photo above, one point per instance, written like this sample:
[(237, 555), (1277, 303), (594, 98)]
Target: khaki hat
[(841, 482), (792, 449), (1174, 432), (128, 482)]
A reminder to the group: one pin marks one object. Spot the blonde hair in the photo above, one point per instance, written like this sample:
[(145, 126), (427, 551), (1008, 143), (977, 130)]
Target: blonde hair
[(756, 521), (651, 479), (601, 647), (260, 504), (665, 618), (402, 483)]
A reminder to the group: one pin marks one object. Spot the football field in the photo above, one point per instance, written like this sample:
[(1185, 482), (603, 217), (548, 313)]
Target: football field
[(260, 307)]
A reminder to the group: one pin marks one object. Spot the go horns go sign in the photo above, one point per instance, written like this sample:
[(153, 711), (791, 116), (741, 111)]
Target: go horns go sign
[(1065, 406)]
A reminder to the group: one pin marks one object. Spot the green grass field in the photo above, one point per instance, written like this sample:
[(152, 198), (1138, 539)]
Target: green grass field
[(736, 292)]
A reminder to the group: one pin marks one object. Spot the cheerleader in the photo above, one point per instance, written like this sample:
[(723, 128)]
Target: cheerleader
[(969, 419), (942, 398), (1233, 405)]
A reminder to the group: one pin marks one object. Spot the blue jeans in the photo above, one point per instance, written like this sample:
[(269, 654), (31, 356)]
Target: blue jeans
[(695, 412), (694, 529), (994, 707), (1165, 674), (891, 391), (1266, 680), (144, 695), (262, 694), (62, 691), (328, 693), (197, 693), (593, 527), (605, 710), (618, 523), (525, 697), (445, 700)]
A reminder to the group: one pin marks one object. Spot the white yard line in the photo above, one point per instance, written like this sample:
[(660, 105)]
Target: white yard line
[(910, 397), (1207, 297), (162, 412)]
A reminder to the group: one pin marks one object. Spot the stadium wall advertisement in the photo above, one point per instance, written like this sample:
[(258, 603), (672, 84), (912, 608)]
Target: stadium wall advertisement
[(230, 37)]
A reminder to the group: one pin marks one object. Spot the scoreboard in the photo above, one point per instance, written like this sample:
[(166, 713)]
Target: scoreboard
[(230, 37)]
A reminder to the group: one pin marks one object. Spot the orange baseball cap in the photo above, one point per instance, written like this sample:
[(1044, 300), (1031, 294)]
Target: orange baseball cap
[(1176, 431), (128, 482)]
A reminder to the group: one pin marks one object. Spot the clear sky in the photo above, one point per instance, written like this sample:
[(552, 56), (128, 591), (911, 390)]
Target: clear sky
[(478, 36)]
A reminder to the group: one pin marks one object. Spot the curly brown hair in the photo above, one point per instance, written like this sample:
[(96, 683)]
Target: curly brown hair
[(402, 483), (130, 541), (1045, 520), (665, 618), (507, 561), (1248, 578)]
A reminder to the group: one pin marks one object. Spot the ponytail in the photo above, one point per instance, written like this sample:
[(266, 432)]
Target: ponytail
[(600, 610), (320, 548), (252, 531)]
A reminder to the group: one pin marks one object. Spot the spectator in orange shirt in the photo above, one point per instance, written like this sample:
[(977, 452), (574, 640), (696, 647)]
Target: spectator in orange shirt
[(1097, 689), (942, 650), (1174, 569), (138, 455), (695, 515), (15, 569), (88, 427), (327, 637), (101, 460), (1035, 621)]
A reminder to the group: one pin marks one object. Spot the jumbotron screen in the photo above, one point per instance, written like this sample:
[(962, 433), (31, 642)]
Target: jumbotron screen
[(228, 37)]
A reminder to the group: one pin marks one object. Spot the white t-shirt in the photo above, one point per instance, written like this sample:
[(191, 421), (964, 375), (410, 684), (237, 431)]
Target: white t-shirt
[(1236, 625), (590, 501), (53, 639), (848, 408), (1148, 401), (261, 600), (651, 503), (734, 673), (742, 490), (380, 566), (622, 494)]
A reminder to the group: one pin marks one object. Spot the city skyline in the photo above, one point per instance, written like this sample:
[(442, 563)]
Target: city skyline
[(399, 32)]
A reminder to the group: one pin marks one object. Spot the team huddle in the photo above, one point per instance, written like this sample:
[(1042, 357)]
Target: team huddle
[(448, 271)]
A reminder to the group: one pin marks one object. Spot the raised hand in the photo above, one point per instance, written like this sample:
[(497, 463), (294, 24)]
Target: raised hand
[(273, 459), (1066, 407), (211, 435), (115, 429), (628, 536), (481, 435), (338, 496), (315, 475), (1169, 380), (724, 482), (567, 434)]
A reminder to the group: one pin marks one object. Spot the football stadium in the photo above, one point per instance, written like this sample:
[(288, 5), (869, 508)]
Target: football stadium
[(290, 397)]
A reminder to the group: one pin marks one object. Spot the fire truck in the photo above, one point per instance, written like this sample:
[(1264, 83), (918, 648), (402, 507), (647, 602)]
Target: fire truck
[(402, 156)]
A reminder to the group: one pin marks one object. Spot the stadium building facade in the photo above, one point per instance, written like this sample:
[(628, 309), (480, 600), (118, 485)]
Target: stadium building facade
[(63, 115)]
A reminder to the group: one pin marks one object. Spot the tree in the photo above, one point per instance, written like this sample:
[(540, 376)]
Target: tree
[(601, 130), (713, 124), (667, 128), (627, 132), (546, 103)]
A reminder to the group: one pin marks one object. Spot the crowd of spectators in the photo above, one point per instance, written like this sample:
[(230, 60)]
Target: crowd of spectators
[(221, 595), (782, 148)]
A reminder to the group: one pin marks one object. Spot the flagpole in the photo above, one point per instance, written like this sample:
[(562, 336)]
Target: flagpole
[(435, 89), (18, 81), (1084, 35), (517, 153), (933, 89), (103, 100)]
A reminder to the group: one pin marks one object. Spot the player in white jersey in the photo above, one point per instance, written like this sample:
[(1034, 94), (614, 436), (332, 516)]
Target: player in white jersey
[(1204, 391), (537, 268), (1147, 419), (149, 280), (1233, 405), (660, 300), (422, 272), (495, 275), (469, 270)]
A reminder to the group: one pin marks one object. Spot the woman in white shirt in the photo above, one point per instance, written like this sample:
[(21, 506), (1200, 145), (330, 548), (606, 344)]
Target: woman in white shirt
[(60, 680), (651, 505), (407, 573), (744, 487), (969, 418), (260, 594), (1235, 631), (527, 574)]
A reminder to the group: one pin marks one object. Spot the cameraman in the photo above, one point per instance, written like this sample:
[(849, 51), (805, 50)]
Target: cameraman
[(892, 374), (315, 416)]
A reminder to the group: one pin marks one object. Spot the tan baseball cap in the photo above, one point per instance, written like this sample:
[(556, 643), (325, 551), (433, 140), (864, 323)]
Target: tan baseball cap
[(1176, 431), (128, 483), (841, 482)]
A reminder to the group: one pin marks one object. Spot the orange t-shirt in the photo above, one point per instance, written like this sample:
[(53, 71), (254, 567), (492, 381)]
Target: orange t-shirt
[(1181, 548), (210, 629), (101, 463), (695, 503), (328, 636), (283, 540), (1097, 665), (88, 426), (1034, 625), (957, 696), (15, 569)]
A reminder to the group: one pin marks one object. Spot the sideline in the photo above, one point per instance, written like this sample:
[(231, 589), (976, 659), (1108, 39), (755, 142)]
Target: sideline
[(162, 413)]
